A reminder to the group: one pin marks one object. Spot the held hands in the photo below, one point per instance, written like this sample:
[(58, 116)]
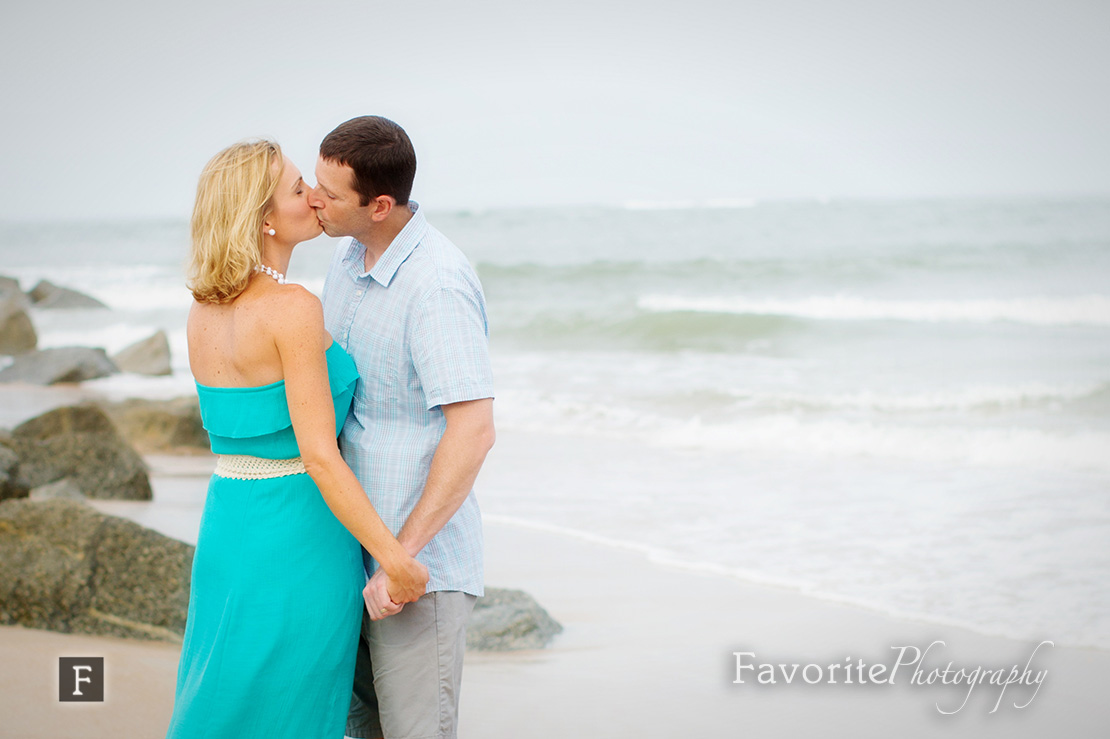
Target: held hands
[(376, 594), (406, 581), (386, 594)]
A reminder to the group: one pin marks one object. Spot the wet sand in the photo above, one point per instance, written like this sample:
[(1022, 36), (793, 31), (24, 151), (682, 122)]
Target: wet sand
[(647, 652)]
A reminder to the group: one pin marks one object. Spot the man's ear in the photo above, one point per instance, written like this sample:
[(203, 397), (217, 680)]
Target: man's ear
[(381, 207)]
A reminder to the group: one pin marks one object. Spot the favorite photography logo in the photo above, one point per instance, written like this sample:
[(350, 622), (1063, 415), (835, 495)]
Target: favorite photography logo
[(81, 679), (919, 668)]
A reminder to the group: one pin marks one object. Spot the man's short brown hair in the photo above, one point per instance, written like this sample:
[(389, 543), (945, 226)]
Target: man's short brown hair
[(379, 152)]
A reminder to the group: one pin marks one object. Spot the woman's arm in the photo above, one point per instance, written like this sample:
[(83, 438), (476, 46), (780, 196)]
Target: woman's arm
[(301, 342)]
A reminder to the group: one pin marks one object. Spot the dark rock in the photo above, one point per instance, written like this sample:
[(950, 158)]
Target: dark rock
[(151, 356), (80, 442), (64, 489), (11, 484), (66, 567), (17, 333), (64, 364), (506, 620), (48, 295), (160, 425)]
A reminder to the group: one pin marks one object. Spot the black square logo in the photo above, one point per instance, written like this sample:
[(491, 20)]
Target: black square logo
[(81, 679)]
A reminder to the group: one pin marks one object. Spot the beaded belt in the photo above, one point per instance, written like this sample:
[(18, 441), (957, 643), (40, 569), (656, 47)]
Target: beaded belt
[(244, 467)]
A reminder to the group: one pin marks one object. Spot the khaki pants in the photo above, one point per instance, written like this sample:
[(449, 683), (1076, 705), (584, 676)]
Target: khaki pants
[(409, 670)]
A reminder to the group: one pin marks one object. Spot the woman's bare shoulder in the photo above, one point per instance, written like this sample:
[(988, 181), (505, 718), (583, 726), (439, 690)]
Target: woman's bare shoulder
[(293, 313)]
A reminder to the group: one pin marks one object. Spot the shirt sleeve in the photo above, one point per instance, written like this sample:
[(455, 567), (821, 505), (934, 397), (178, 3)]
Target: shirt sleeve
[(450, 347)]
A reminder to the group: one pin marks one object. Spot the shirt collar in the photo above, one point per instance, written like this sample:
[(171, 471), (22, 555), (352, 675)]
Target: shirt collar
[(398, 251)]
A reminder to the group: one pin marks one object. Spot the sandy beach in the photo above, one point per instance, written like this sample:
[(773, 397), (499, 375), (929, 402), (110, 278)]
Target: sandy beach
[(647, 652), (648, 649)]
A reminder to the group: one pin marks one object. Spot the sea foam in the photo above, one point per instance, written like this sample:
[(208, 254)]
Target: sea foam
[(1087, 310)]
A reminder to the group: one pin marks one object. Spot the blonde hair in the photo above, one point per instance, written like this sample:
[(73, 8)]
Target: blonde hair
[(233, 200)]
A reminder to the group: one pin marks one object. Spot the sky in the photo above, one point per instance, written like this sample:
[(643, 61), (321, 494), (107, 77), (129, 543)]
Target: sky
[(111, 109)]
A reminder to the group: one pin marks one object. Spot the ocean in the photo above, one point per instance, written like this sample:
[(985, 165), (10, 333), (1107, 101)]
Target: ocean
[(903, 405)]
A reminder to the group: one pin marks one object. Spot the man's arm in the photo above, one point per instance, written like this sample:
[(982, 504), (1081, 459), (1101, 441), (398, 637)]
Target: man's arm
[(462, 449), (451, 357), (466, 441)]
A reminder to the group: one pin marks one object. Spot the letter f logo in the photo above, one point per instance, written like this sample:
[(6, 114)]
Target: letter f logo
[(80, 679)]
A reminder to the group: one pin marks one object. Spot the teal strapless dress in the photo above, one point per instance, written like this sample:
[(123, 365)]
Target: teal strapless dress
[(276, 597)]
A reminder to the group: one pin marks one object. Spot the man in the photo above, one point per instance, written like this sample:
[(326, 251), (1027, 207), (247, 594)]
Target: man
[(405, 303)]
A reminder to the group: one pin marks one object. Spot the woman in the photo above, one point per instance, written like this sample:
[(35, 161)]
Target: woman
[(274, 609)]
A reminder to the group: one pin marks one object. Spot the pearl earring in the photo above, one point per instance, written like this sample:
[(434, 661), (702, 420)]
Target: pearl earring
[(272, 232)]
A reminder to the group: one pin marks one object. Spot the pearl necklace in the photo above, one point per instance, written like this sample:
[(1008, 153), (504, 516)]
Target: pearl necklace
[(271, 272)]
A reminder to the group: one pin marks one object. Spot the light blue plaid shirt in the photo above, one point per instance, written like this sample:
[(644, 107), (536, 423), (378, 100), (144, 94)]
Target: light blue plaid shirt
[(416, 327)]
